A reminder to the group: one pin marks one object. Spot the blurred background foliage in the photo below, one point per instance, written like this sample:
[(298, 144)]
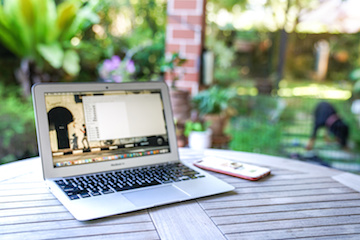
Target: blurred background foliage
[(17, 126), (92, 30), (41, 33), (272, 49)]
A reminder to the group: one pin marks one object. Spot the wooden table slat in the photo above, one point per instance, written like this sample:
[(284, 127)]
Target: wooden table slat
[(182, 221), (290, 224), (346, 231), (5, 186), (292, 207), (349, 179), (148, 235), (286, 187), (32, 211), (215, 203), (130, 218), (19, 169), (350, 236), (28, 191), (29, 204), (286, 194), (25, 198), (273, 182), (285, 215), (91, 230)]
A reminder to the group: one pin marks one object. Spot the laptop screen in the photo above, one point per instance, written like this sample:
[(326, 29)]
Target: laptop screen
[(91, 127)]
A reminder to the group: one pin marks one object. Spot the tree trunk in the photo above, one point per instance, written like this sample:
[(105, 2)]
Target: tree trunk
[(282, 56), (27, 75)]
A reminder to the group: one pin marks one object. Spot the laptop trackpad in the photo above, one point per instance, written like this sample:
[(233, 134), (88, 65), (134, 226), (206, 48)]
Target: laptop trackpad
[(156, 196)]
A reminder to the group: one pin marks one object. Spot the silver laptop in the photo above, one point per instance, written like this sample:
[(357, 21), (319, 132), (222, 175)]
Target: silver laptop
[(110, 148)]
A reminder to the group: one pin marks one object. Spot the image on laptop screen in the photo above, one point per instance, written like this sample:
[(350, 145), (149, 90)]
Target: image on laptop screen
[(90, 127)]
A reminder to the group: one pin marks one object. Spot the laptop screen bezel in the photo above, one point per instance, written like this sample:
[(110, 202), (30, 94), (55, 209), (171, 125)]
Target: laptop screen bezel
[(42, 127)]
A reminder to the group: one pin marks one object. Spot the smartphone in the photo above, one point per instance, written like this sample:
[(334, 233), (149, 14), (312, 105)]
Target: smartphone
[(232, 168)]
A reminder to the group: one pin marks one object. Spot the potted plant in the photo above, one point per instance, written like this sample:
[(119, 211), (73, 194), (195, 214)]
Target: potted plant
[(212, 104), (198, 134)]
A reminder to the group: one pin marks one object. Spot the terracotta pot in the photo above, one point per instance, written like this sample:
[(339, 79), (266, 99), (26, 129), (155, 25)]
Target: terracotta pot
[(217, 123)]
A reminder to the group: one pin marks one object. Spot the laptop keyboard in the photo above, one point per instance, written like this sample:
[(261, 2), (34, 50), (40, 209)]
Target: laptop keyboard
[(111, 182)]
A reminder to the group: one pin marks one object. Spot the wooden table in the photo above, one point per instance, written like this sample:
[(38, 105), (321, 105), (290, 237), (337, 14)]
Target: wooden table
[(298, 200)]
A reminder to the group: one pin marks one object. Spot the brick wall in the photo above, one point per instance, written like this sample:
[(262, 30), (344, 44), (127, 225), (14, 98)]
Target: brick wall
[(184, 34)]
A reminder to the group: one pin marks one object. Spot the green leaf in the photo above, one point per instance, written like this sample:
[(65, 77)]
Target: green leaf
[(27, 8), (71, 62), (52, 53), (197, 126), (355, 74), (9, 41), (17, 25), (356, 88), (82, 15), (50, 17), (45, 12), (66, 12)]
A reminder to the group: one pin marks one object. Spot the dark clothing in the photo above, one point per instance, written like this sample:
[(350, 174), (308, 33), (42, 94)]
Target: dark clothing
[(322, 112), (326, 116)]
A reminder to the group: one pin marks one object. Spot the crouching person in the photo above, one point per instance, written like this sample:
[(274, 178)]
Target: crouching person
[(326, 116)]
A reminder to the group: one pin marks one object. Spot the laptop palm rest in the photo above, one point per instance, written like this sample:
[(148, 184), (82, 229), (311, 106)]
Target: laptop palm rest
[(156, 196)]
